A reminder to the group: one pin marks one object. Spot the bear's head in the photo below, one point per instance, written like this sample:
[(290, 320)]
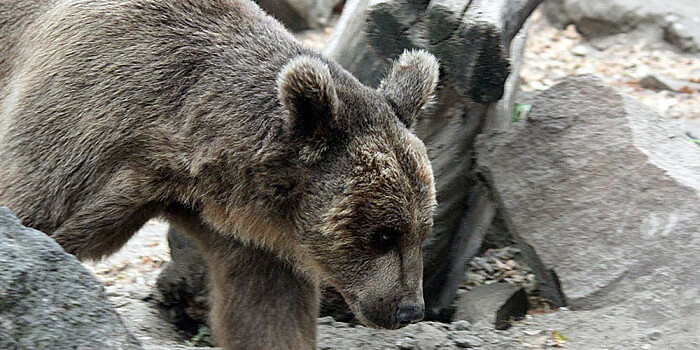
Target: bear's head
[(369, 198)]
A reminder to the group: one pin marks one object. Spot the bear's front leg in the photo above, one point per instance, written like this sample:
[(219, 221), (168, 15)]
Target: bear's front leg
[(258, 301)]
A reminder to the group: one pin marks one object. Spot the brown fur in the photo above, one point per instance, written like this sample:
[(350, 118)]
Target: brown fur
[(282, 166)]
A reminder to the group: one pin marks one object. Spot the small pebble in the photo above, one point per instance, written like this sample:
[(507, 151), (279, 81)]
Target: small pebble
[(326, 321), (461, 325), (468, 341), (654, 335), (579, 50), (139, 294), (115, 293), (406, 344)]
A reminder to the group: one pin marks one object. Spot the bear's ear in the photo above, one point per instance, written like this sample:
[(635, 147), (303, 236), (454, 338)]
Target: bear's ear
[(305, 87), (411, 84)]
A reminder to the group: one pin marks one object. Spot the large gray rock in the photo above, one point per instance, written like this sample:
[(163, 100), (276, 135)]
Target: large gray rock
[(48, 300), (677, 21), (601, 190), (493, 305)]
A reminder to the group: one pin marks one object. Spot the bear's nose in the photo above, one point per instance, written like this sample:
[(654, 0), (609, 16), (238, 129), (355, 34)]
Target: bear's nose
[(408, 314)]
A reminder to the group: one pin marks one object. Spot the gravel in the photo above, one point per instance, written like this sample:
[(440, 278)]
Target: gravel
[(499, 265), (621, 60)]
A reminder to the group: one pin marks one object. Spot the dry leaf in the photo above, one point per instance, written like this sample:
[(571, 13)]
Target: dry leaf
[(559, 338), (686, 90)]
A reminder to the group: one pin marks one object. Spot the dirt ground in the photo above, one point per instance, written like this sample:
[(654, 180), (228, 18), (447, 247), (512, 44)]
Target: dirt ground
[(621, 61), (130, 276)]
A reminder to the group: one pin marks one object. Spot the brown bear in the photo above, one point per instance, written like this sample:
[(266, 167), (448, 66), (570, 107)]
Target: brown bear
[(285, 169)]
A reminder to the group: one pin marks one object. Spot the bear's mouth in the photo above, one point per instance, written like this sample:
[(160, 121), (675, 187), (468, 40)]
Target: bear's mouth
[(369, 320), (378, 322)]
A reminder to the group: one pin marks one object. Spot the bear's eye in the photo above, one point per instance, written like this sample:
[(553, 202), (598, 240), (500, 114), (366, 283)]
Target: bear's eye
[(385, 239)]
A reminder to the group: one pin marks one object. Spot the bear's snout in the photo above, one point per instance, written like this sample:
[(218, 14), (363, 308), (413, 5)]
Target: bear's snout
[(409, 313), (383, 313)]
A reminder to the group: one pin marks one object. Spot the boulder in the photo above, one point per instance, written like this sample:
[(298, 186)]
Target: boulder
[(691, 127), (48, 300), (494, 305), (676, 21), (602, 194)]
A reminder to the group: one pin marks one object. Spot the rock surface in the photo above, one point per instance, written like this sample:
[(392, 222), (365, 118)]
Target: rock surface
[(600, 189), (424, 335), (677, 21), (492, 305), (657, 82), (691, 128), (48, 300)]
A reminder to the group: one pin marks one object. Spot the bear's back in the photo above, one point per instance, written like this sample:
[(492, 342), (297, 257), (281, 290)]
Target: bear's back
[(15, 17), (96, 84)]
